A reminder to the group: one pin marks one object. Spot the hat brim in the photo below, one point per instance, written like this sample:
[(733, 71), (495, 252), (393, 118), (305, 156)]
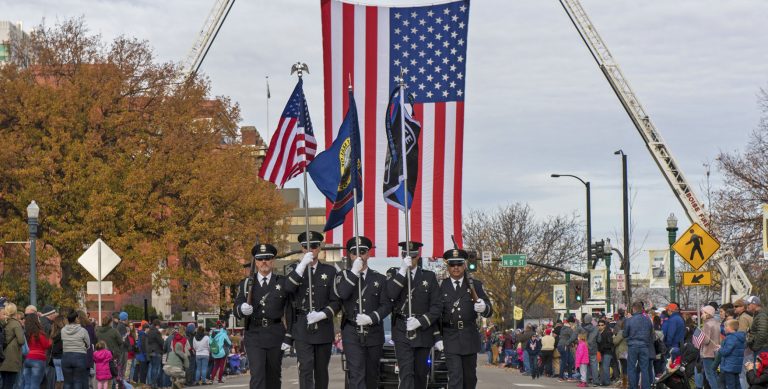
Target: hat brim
[(264, 256), (455, 261)]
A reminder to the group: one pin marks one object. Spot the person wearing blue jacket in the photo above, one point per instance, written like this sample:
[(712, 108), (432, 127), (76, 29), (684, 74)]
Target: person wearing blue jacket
[(732, 354), (673, 328), (638, 331)]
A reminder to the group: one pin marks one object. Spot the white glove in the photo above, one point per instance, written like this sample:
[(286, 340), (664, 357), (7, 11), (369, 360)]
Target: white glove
[(480, 306), (246, 309), (404, 267), (363, 319), (308, 258), (285, 347), (314, 317), (439, 345), (357, 266), (412, 323)]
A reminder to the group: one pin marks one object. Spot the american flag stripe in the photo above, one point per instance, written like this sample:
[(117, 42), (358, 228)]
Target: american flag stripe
[(356, 45)]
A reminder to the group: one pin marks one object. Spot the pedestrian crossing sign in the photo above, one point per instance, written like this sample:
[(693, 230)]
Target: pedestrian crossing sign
[(696, 246)]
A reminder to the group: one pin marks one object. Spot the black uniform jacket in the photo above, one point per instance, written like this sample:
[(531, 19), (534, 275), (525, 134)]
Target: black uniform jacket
[(425, 306), (323, 300), (376, 304), (264, 326), (459, 319)]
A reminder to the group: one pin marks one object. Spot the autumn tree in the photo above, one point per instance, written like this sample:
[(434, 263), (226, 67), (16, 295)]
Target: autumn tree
[(737, 206), (556, 241), (112, 143)]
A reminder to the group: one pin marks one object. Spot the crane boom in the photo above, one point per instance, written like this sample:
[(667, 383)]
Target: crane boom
[(734, 276), (207, 35)]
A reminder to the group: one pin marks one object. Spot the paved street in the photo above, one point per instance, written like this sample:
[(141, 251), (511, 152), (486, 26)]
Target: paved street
[(489, 377)]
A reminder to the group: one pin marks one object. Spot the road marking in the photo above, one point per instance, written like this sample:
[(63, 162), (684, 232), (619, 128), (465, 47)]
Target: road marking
[(530, 385), (233, 386)]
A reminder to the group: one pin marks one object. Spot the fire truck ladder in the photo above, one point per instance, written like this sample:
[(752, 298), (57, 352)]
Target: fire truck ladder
[(207, 35), (694, 209)]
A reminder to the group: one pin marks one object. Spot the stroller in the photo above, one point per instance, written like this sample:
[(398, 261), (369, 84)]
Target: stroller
[(679, 373)]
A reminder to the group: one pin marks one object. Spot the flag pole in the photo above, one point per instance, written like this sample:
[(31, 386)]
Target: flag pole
[(268, 96), (361, 329), (409, 334), (299, 67)]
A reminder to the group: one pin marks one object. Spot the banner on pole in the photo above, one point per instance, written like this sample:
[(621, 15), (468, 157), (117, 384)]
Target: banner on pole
[(558, 296), (597, 287), (659, 269)]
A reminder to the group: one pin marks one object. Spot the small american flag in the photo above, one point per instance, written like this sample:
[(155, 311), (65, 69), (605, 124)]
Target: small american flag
[(698, 338), (293, 146)]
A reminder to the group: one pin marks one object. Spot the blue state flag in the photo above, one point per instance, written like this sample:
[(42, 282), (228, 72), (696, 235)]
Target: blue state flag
[(338, 170)]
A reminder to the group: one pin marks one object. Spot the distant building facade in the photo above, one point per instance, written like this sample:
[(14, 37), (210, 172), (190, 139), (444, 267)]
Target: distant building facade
[(10, 32)]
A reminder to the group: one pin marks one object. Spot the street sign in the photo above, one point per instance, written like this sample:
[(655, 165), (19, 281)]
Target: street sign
[(697, 278), (92, 287), (696, 246), (620, 285), (514, 260), (487, 257), (518, 313), (91, 257)]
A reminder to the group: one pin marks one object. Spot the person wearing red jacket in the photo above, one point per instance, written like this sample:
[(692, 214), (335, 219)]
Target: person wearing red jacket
[(35, 362)]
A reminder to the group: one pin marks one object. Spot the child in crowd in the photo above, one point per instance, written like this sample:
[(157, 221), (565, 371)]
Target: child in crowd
[(732, 354), (101, 358), (582, 358)]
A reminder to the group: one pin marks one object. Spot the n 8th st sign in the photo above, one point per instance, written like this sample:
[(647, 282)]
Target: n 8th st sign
[(514, 260)]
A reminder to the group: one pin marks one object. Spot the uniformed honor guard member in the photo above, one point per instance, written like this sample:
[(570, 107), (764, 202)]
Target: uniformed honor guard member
[(414, 332), (459, 321), (265, 336), (363, 350), (313, 328)]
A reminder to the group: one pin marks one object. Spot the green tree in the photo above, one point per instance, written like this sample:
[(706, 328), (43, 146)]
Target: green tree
[(111, 143)]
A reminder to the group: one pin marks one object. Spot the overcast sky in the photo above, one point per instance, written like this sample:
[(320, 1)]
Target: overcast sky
[(536, 102)]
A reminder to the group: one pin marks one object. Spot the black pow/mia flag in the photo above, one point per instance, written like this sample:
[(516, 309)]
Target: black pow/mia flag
[(400, 125)]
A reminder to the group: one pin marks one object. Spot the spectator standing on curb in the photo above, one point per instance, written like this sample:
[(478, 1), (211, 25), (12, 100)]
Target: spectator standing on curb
[(673, 328), (154, 354), (547, 351), (101, 358), (57, 349), (14, 339), (606, 348), (591, 331), (35, 361), (582, 358), (710, 344), (564, 342), (638, 331), (75, 342), (745, 321), (732, 354), (620, 351), (201, 344)]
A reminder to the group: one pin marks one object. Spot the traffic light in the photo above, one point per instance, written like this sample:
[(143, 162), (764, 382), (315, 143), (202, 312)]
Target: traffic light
[(596, 252), (472, 265), (577, 289)]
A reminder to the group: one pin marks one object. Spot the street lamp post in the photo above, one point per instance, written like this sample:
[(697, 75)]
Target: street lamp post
[(625, 207), (607, 255), (672, 234), (589, 212), (513, 289), (33, 211)]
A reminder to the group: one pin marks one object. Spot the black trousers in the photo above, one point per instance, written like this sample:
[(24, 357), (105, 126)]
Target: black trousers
[(313, 364), (362, 361), (414, 370), (462, 371), (265, 364)]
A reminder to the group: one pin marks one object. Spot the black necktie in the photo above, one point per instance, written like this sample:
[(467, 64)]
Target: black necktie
[(457, 284), (263, 282), (362, 278)]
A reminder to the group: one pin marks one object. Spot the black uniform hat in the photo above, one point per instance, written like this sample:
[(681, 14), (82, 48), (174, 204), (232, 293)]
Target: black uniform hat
[(263, 251), (314, 237), (365, 243), (415, 246), (457, 256)]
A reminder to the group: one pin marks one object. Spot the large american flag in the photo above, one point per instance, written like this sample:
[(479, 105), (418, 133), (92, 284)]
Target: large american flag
[(293, 146), (370, 45)]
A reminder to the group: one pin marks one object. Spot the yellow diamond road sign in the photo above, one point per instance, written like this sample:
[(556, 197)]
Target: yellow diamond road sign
[(697, 278), (696, 246)]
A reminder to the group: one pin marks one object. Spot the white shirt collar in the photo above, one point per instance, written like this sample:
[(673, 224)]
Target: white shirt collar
[(453, 282), (261, 277)]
